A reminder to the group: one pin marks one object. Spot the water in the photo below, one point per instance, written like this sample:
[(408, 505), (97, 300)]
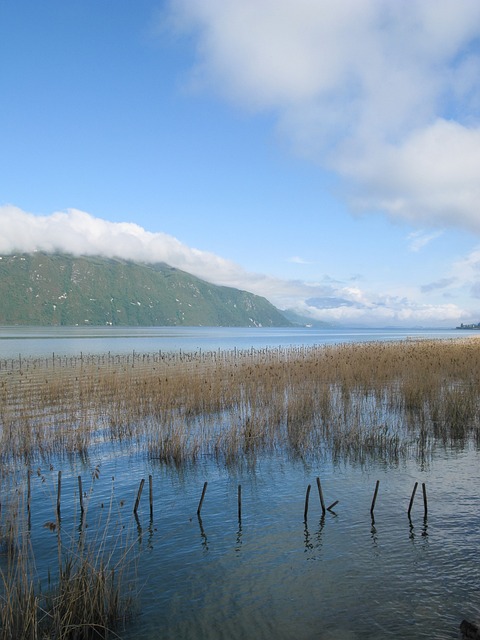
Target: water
[(43, 341), (270, 575)]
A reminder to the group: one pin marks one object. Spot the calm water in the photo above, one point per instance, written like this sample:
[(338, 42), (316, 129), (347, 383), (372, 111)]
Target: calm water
[(270, 575), (43, 341)]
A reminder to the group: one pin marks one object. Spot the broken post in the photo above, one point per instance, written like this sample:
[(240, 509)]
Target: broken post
[(139, 494)]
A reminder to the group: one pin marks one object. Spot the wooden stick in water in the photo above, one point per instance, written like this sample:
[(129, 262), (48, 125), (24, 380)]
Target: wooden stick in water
[(239, 502), (139, 494), (332, 505), (305, 513), (59, 491), (201, 499), (412, 498), (150, 493), (29, 493), (80, 493), (320, 493), (374, 497), (425, 505)]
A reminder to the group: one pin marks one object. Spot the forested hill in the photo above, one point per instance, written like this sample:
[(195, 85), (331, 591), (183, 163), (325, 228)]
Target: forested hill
[(56, 289)]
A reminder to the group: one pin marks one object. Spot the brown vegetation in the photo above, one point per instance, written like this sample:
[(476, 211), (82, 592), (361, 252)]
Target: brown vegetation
[(364, 401), (355, 400)]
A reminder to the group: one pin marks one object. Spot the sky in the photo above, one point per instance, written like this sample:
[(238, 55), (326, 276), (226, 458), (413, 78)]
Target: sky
[(323, 154)]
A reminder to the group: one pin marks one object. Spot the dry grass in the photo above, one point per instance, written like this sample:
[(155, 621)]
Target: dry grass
[(88, 599), (379, 401), (382, 398)]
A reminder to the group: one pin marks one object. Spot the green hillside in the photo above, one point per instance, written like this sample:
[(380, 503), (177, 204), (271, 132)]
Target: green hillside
[(55, 289)]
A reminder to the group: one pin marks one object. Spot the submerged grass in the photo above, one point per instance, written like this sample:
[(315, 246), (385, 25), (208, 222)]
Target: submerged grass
[(380, 397), (357, 402), (88, 597)]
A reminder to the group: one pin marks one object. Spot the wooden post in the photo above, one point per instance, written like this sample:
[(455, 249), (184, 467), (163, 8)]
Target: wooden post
[(239, 503), (201, 499), (59, 491), (150, 492), (80, 493), (305, 513), (29, 493), (139, 494), (425, 505), (332, 505), (412, 498), (374, 497), (320, 493)]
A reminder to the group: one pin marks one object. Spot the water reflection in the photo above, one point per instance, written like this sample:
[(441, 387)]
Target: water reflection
[(238, 542), (202, 533), (313, 544), (365, 577), (423, 530)]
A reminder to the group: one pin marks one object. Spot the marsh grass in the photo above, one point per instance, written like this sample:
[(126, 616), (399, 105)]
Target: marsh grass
[(88, 594), (358, 402), (387, 398)]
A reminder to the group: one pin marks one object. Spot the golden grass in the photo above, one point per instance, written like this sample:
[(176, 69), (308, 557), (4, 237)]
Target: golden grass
[(89, 598), (381, 401), (341, 400)]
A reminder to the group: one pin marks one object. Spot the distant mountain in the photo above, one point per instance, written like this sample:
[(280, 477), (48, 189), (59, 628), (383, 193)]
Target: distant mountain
[(305, 321), (56, 289)]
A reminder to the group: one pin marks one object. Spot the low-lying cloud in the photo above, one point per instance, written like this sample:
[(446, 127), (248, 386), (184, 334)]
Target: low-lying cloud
[(79, 233), (384, 93)]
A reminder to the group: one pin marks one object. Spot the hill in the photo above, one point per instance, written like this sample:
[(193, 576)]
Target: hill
[(56, 289)]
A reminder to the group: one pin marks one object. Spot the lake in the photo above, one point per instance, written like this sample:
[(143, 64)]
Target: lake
[(43, 341), (270, 574)]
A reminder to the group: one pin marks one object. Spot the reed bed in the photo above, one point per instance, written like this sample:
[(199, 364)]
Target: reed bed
[(88, 592), (356, 402), (381, 399)]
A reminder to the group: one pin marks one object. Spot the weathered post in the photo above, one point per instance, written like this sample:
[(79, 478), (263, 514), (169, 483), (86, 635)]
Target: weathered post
[(139, 494), (59, 491), (412, 498), (425, 505), (240, 504), (320, 493), (80, 493), (305, 513), (150, 493), (374, 497), (202, 498)]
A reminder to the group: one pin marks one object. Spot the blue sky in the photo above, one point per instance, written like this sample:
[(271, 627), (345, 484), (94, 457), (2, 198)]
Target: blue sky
[(323, 154)]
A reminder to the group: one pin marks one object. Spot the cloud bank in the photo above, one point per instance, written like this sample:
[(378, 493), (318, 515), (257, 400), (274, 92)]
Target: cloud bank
[(80, 233), (384, 93)]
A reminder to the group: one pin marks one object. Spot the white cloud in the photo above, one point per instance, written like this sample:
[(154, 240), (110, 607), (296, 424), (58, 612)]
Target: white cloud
[(433, 177), (298, 260), (385, 93), (419, 239), (80, 233)]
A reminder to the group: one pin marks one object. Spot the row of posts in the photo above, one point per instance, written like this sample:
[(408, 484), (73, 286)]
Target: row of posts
[(204, 490)]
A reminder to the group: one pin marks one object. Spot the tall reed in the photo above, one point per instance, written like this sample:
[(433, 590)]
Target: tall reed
[(228, 403), (91, 595)]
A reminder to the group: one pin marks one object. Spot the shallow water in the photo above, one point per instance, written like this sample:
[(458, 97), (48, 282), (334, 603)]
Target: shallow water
[(272, 575)]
